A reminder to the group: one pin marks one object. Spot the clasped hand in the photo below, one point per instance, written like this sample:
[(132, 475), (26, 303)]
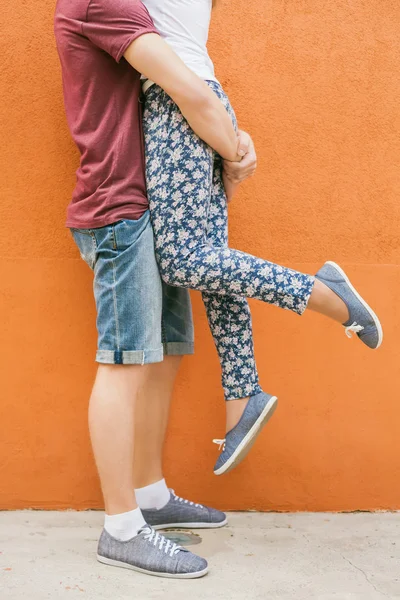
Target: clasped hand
[(235, 173)]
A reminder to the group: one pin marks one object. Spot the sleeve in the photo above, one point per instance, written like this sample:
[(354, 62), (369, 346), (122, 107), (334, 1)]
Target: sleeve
[(113, 25)]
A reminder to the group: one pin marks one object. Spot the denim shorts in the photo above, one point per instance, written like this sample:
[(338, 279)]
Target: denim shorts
[(139, 318)]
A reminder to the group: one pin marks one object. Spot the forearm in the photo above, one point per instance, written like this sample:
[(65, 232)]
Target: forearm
[(209, 119), (203, 110)]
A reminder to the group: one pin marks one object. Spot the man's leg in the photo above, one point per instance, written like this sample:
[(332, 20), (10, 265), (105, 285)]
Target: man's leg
[(128, 294), (160, 506), (111, 423), (129, 341), (151, 420), (152, 411)]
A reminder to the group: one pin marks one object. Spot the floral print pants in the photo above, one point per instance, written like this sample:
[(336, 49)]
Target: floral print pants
[(189, 216)]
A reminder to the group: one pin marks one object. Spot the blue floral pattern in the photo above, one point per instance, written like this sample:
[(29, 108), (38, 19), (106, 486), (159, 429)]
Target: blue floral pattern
[(189, 215)]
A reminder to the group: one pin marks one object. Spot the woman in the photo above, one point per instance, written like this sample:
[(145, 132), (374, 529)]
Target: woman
[(189, 214)]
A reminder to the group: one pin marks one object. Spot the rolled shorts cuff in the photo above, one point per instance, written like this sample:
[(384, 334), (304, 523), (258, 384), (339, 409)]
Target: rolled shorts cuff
[(178, 348), (130, 357)]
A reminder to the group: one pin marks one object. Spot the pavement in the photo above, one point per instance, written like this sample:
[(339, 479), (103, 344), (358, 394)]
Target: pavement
[(257, 556)]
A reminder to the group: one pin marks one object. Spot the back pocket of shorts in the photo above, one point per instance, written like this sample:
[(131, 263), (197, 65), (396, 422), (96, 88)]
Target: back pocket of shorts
[(86, 242)]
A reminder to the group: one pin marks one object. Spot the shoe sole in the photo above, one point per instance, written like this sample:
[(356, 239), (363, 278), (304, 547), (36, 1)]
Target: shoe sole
[(123, 565), (190, 525), (247, 442), (365, 305)]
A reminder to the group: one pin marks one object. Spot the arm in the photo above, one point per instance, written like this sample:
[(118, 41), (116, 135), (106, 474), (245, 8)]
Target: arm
[(203, 110)]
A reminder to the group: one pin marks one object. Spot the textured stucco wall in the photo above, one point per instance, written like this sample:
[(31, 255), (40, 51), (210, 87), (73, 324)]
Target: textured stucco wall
[(316, 83)]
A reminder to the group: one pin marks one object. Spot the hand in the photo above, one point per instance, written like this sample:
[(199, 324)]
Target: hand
[(230, 187), (243, 141), (237, 172)]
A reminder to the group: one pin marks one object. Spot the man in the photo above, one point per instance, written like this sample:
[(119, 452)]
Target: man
[(103, 46)]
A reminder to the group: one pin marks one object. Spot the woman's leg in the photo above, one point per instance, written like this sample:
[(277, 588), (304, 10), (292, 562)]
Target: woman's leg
[(230, 319), (179, 174), (229, 316), (180, 170)]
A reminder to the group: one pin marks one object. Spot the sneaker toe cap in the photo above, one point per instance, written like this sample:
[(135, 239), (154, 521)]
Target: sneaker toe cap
[(216, 516), (370, 337), (191, 563), (222, 458)]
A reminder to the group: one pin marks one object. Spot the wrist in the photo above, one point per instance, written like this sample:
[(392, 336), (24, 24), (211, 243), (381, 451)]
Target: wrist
[(236, 159)]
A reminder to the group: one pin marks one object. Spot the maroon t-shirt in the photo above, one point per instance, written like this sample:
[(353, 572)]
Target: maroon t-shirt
[(101, 92)]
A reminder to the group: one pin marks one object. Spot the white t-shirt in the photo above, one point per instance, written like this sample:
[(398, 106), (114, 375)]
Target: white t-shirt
[(184, 25)]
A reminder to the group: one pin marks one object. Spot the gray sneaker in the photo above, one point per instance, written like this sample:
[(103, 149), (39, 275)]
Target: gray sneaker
[(363, 321), (183, 513), (151, 553), (241, 438)]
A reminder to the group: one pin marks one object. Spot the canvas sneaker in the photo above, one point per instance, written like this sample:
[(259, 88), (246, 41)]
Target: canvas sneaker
[(363, 321), (240, 439), (151, 553), (179, 512)]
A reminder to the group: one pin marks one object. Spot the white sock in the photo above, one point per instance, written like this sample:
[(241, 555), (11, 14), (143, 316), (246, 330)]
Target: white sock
[(154, 496), (124, 526)]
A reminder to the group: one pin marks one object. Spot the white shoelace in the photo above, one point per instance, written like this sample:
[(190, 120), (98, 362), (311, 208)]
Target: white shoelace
[(179, 499), (220, 444), (155, 538), (353, 328)]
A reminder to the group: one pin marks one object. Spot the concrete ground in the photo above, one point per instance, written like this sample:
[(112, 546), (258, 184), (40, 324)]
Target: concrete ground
[(258, 556)]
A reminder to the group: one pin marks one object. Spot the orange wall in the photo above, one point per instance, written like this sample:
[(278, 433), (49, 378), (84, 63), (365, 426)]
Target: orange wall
[(316, 83)]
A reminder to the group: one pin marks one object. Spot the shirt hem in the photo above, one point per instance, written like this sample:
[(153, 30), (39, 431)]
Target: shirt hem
[(98, 224)]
